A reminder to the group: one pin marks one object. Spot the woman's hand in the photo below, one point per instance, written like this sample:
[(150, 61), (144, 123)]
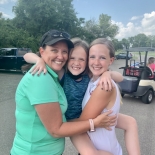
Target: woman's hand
[(105, 121), (39, 67), (106, 81)]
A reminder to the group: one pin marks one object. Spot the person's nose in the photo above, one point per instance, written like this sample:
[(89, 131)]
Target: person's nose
[(76, 62), (60, 55), (96, 61)]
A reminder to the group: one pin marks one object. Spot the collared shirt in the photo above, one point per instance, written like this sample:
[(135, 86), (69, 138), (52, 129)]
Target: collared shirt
[(31, 137)]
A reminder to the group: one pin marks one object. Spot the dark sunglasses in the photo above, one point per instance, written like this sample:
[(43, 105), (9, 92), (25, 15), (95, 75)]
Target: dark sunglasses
[(61, 34), (56, 34)]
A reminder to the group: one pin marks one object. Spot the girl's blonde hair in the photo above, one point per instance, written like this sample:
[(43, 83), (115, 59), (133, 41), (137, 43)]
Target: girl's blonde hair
[(105, 42)]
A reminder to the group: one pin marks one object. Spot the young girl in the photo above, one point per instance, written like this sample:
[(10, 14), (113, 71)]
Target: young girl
[(101, 56), (75, 82)]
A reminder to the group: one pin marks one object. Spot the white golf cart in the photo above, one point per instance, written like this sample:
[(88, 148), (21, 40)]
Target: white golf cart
[(139, 81)]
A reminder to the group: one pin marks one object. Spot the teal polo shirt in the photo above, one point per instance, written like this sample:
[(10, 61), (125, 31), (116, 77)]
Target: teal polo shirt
[(31, 136)]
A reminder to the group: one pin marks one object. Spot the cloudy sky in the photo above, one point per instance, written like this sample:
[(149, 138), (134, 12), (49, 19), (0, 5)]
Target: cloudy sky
[(132, 16)]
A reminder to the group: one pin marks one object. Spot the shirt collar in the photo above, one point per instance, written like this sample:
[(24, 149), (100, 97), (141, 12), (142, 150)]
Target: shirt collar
[(54, 74)]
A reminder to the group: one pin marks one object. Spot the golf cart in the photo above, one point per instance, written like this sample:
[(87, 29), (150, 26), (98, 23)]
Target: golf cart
[(139, 80)]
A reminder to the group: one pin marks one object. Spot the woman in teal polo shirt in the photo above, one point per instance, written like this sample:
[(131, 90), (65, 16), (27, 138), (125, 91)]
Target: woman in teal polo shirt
[(41, 104)]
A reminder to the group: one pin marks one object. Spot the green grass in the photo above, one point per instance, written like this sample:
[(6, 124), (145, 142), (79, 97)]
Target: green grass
[(136, 54), (143, 53)]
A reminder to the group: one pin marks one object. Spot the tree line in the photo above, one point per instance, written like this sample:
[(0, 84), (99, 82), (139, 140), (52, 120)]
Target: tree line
[(34, 17)]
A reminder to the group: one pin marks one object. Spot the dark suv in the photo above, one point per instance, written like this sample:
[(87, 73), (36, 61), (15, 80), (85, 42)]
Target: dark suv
[(123, 56), (12, 58)]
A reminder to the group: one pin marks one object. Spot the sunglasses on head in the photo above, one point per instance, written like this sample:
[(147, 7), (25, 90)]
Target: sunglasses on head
[(56, 35), (60, 34)]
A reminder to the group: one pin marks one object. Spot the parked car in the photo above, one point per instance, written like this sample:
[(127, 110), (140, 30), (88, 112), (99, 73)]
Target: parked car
[(12, 59), (139, 80), (123, 56)]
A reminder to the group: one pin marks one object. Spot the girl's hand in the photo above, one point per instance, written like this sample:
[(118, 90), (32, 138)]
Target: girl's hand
[(104, 120), (106, 81), (39, 67)]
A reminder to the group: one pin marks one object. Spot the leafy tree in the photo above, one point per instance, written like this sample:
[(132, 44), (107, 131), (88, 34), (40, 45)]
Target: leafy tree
[(117, 44), (151, 41), (33, 18), (140, 40), (102, 28), (37, 17), (1, 14), (107, 28), (5, 28), (10, 36), (91, 30), (125, 43), (131, 41)]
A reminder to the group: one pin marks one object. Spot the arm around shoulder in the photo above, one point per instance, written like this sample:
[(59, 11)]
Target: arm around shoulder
[(31, 58), (98, 101), (116, 76), (35, 59)]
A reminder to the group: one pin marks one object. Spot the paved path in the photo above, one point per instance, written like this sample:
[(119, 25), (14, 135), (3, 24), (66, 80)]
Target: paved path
[(144, 114)]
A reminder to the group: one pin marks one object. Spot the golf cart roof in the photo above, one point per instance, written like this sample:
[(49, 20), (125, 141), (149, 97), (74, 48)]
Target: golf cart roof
[(141, 49)]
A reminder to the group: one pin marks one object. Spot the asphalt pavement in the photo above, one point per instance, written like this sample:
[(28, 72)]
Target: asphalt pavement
[(143, 113)]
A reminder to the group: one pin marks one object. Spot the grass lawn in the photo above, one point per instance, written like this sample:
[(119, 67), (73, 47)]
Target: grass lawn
[(136, 54)]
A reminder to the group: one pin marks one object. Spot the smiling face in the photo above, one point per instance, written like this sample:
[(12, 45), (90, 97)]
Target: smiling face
[(55, 56), (77, 61), (99, 60)]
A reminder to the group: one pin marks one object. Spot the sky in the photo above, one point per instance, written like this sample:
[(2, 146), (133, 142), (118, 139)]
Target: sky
[(131, 16)]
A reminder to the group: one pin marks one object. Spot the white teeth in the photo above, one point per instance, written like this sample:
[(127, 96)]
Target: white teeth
[(96, 68), (58, 62), (76, 68)]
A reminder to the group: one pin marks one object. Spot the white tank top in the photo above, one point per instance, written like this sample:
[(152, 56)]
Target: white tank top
[(104, 139)]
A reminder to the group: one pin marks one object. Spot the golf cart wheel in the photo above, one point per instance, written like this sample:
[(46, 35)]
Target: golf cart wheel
[(148, 97)]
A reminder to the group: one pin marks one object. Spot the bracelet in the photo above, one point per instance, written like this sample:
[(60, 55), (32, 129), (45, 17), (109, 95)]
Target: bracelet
[(91, 122)]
